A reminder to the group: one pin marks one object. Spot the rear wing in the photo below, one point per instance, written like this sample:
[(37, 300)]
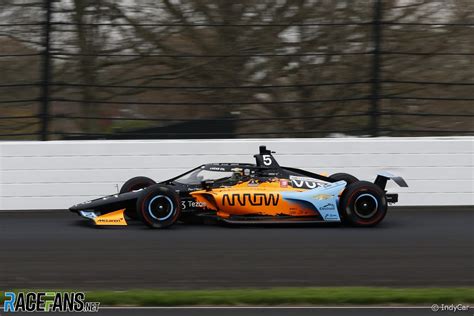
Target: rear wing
[(383, 177), (381, 181)]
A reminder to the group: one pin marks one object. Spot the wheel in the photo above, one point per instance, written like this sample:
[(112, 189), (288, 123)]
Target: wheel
[(363, 204), (133, 184), (158, 206), (344, 176), (136, 183)]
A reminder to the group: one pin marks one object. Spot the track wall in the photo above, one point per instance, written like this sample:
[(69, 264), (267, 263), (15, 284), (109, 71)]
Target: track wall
[(57, 174)]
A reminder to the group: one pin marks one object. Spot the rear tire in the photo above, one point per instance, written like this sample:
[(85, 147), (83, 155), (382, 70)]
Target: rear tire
[(158, 206), (133, 184), (344, 176), (363, 204)]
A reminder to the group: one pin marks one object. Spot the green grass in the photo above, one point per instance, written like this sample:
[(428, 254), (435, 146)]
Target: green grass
[(281, 296)]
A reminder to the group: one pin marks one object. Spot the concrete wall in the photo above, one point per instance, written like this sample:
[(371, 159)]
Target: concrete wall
[(55, 175)]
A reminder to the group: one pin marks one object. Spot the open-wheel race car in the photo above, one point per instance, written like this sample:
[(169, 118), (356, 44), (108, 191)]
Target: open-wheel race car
[(238, 193)]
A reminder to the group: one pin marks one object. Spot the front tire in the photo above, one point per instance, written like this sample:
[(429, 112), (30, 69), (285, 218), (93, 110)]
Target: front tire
[(134, 184), (363, 204), (158, 206)]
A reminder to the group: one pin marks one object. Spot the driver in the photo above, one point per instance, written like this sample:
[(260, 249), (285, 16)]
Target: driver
[(237, 174)]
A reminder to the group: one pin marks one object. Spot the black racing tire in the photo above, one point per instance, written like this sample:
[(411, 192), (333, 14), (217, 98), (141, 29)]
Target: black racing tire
[(349, 180), (136, 183), (363, 204), (133, 184), (158, 206), (344, 176)]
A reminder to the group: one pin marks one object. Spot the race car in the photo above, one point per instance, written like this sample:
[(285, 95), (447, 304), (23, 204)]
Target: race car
[(243, 193)]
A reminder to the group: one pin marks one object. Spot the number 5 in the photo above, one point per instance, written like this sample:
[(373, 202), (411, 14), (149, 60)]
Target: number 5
[(267, 160)]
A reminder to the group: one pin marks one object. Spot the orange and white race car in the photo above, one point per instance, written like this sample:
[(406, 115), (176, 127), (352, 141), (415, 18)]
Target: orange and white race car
[(239, 193)]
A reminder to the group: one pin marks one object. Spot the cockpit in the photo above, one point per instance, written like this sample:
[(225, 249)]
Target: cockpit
[(219, 175)]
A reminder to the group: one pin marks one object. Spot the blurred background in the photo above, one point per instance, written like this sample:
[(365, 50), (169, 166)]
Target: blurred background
[(125, 69)]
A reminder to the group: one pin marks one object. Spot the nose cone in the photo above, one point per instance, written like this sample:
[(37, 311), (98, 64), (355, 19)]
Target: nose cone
[(81, 206)]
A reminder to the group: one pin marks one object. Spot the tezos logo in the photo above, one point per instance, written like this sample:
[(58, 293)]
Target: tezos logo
[(48, 302)]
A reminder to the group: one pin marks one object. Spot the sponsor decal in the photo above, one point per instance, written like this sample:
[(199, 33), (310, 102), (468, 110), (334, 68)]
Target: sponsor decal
[(217, 168), (257, 199), (191, 189), (321, 197), (108, 221), (252, 183), (48, 302), (115, 218), (330, 216), (283, 183), (304, 182), (328, 207), (185, 204), (302, 178)]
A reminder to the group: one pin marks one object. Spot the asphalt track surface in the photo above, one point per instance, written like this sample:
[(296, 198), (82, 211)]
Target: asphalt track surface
[(410, 248)]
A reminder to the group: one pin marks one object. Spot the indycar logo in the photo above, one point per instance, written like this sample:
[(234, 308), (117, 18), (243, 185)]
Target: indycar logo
[(257, 199), (252, 183)]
